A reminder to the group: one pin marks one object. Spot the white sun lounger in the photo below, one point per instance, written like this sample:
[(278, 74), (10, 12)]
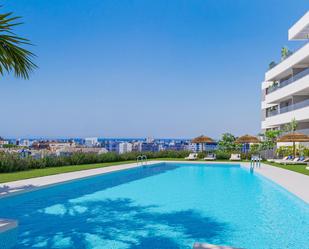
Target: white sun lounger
[(285, 159), (295, 161), (192, 156), (210, 157), (235, 157)]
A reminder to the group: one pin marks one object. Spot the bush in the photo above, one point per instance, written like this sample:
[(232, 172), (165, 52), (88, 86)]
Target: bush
[(305, 152), (283, 151), (13, 162), (223, 155)]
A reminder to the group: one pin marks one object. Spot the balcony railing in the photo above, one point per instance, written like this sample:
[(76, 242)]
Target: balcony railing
[(289, 108), (289, 81), (293, 52), (272, 113), (304, 131)]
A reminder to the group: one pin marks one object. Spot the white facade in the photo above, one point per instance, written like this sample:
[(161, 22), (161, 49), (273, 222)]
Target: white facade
[(91, 141), (285, 91), (25, 142), (149, 140), (124, 147)]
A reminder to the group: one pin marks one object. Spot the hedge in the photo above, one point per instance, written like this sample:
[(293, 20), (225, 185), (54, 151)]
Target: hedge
[(13, 162)]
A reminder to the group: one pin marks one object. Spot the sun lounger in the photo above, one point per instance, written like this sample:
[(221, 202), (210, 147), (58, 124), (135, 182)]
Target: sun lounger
[(235, 157), (192, 156), (296, 160), (274, 160), (285, 159), (210, 157)]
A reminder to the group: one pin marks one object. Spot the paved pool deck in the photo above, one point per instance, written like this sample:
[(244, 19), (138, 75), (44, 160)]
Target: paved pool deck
[(296, 183)]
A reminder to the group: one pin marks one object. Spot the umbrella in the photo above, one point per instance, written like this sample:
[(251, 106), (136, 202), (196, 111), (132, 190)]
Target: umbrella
[(247, 139), (202, 140), (293, 137)]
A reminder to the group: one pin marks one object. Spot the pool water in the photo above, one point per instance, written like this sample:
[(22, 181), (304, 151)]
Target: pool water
[(159, 207)]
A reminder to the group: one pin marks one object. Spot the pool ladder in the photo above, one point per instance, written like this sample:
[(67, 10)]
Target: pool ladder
[(142, 159), (255, 162)]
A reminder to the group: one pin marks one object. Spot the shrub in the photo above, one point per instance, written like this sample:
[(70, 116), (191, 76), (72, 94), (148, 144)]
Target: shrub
[(223, 155), (283, 151), (13, 162)]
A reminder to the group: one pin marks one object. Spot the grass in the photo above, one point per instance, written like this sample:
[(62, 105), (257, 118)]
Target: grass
[(299, 168), (20, 175)]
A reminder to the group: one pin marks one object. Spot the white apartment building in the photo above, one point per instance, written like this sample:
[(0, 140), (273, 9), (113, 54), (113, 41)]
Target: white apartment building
[(124, 147), (91, 141), (285, 91)]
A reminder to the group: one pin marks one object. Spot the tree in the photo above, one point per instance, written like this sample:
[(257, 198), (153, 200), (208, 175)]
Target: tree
[(285, 52), (227, 143), (292, 126), (13, 57), (270, 138)]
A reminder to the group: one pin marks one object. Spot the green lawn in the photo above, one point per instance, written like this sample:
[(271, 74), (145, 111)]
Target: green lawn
[(299, 168), (14, 176)]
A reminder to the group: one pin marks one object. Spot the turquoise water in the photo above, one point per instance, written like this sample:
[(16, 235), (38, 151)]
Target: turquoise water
[(159, 207)]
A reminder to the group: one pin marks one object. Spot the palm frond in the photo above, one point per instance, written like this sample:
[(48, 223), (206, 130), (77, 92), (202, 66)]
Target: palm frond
[(13, 57)]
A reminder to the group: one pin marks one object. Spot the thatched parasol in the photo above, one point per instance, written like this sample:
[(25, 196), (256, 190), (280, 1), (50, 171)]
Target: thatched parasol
[(202, 140), (293, 137), (247, 139)]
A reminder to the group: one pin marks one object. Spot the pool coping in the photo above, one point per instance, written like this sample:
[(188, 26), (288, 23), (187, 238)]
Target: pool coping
[(7, 224), (26, 185), (296, 183)]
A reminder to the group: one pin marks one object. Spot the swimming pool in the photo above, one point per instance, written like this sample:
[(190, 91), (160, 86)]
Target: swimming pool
[(161, 206)]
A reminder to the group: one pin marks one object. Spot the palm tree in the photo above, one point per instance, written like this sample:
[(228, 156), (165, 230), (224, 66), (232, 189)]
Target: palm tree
[(14, 58), (285, 52)]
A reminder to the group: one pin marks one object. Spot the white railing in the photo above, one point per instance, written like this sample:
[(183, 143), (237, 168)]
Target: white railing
[(289, 108), (293, 52), (289, 81)]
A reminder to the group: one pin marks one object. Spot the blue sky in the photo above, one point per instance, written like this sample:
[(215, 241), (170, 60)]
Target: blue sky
[(137, 68)]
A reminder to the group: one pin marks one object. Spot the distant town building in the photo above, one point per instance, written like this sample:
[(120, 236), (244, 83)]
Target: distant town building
[(197, 147), (3, 141), (137, 146), (112, 146), (52, 145), (124, 147), (150, 147), (149, 140), (91, 142), (24, 142), (71, 150)]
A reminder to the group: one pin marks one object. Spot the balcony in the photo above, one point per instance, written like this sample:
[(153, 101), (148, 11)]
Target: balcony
[(301, 115), (288, 81), (284, 68), (289, 108), (272, 113)]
